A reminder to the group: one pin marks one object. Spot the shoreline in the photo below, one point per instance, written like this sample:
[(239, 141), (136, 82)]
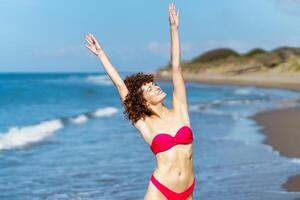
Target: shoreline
[(282, 130), (258, 80), (281, 126), (274, 122)]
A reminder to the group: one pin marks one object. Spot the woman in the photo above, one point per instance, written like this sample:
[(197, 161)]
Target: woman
[(167, 131)]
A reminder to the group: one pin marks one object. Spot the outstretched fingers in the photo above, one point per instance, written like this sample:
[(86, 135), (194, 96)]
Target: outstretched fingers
[(173, 12), (174, 9), (87, 46), (170, 8), (95, 42), (90, 45), (93, 38), (88, 40)]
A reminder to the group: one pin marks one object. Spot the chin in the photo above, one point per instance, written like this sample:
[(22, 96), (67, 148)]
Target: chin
[(163, 95)]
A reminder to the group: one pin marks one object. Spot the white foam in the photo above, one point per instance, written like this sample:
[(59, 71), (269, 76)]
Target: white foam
[(271, 149), (194, 108), (217, 101), (236, 116), (108, 111), (242, 91), (205, 109), (295, 160), (79, 119), (214, 112), (18, 137), (233, 102), (100, 80)]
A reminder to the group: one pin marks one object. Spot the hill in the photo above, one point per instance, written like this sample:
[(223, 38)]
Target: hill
[(225, 61)]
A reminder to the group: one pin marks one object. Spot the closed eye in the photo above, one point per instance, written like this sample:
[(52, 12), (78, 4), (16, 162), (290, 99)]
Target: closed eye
[(149, 89)]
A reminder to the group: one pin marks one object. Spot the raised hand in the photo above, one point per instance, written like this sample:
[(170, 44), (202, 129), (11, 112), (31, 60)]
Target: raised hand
[(173, 16), (93, 44)]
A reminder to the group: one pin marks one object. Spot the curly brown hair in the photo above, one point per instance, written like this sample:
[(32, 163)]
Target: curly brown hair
[(134, 103)]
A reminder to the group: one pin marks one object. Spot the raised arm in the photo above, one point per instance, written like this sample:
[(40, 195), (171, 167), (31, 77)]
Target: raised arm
[(179, 93), (94, 46)]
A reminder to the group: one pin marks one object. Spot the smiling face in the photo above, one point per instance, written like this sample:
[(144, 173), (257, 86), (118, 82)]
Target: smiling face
[(153, 93)]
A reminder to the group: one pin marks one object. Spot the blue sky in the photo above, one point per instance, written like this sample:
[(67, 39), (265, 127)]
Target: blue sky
[(48, 35)]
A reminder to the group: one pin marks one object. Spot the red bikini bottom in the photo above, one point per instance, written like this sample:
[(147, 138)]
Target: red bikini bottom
[(170, 194)]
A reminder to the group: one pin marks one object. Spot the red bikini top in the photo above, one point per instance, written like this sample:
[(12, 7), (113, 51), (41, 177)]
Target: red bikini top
[(163, 141)]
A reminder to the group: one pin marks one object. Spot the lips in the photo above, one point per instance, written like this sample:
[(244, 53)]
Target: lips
[(158, 92)]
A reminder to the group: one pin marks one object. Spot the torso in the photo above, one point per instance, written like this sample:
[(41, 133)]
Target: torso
[(174, 166)]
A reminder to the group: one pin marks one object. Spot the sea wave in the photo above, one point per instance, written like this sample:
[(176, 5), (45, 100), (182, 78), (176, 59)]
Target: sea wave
[(242, 91), (105, 112), (295, 160), (100, 80), (94, 79), (18, 137), (212, 107), (206, 110), (79, 119)]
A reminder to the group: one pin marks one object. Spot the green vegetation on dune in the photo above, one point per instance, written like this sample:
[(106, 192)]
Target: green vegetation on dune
[(294, 65), (228, 61), (214, 55), (255, 52)]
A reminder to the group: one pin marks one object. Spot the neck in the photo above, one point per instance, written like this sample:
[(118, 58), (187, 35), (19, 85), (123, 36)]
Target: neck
[(160, 110)]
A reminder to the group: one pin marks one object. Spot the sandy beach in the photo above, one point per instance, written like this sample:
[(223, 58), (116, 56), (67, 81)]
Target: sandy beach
[(292, 184), (282, 129), (281, 126), (259, 80)]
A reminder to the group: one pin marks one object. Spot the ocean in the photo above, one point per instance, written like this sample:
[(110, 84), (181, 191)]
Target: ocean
[(64, 136)]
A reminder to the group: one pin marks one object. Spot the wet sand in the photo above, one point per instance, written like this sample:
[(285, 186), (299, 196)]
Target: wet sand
[(292, 184), (282, 128)]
